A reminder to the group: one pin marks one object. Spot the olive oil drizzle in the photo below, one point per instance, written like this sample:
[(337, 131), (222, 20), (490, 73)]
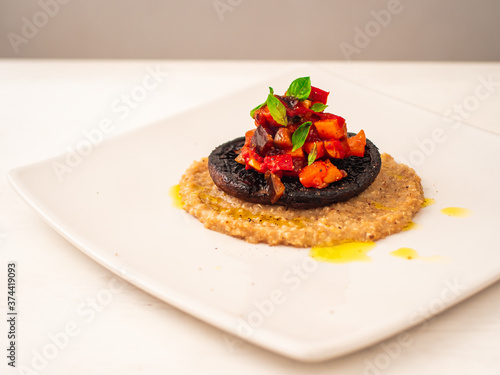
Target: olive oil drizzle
[(411, 225), (343, 253), (176, 196), (382, 207), (411, 254), (456, 211), (428, 202), (240, 213), (406, 253)]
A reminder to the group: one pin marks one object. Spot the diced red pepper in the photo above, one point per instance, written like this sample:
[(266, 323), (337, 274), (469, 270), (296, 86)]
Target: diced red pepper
[(335, 149), (264, 118), (327, 116), (357, 144), (303, 112), (253, 160), (318, 95), (298, 164), (276, 163), (345, 144)]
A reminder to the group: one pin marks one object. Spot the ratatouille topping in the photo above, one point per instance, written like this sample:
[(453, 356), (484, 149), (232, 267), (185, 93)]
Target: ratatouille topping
[(295, 137)]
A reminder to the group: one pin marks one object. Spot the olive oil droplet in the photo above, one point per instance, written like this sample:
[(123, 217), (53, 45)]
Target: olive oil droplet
[(411, 225), (343, 253), (428, 202), (176, 196), (410, 254), (456, 211), (405, 252)]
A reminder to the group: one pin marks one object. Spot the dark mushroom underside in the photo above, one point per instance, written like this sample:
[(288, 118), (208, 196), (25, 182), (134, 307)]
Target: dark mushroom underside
[(251, 186)]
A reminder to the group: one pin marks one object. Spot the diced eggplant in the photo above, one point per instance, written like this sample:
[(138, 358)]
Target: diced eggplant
[(261, 141), (290, 101), (283, 138), (275, 187)]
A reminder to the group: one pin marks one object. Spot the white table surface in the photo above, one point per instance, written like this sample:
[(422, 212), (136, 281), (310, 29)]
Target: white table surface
[(44, 107)]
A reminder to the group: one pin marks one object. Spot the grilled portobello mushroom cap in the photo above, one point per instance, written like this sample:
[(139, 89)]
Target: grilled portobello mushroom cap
[(251, 186)]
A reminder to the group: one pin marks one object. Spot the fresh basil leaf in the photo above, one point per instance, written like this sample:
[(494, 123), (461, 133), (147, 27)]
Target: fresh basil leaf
[(277, 110), (300, 88), (299, 136), (252, 112), (312, 156), (318, 107)]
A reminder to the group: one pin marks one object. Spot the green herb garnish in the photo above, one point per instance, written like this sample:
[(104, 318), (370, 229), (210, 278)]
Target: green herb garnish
[(318, 107), (312, 156), (276, 109), (252, 112), (300, 88), (299, 136)]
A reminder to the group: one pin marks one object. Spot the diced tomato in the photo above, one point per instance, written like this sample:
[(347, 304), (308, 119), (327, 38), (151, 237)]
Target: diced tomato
[(328, 116), (313, 135), (335, 149), (292, 127), (253, 159), (298, 164), (318, 95), (312, 175), (333, 173), (257, 165), (248, 137), (320, 148), (331, 128), (298, 153), (300, 111), (357, 144), (264, 118), (345, 144), (320, 174), (277, 163)]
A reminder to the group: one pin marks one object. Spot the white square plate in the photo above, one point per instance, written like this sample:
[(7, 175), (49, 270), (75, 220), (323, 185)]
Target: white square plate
[(115, 206)]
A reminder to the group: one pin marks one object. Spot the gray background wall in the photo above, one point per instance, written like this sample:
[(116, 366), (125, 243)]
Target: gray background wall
[(252, 29)]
